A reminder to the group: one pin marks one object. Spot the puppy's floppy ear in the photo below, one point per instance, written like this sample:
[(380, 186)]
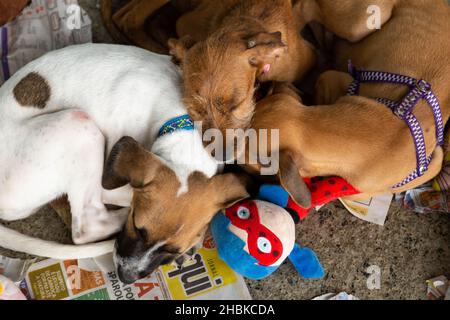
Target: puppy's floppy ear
[(292, 181), (230, 188), (179, 47), (130, 163), (264, 48)]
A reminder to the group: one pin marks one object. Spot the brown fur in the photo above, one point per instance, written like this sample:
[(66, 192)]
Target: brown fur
[(32, 91), (9, 9), (224, 47), (158, 215), (231, 42), (291, 180), (62, 208), (353, 148), (356, 137), (347, 19)]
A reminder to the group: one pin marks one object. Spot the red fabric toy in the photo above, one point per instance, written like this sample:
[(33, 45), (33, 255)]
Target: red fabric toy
[(323, 191)]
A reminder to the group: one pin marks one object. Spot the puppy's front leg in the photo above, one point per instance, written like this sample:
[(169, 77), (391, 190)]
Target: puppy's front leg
[(91, 221), (119, 197)]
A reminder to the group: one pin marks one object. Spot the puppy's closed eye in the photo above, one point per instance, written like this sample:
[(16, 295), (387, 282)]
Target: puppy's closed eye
[(142, 233), (169, 250), (168, 259)]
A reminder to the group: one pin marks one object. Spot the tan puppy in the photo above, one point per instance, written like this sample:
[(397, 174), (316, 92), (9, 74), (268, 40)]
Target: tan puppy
[(224, 47), (356, 137)]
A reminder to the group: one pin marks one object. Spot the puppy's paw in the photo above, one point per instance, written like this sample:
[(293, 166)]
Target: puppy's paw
[(79, 238)]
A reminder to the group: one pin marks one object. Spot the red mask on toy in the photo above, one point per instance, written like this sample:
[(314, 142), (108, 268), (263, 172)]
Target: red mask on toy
[(262, 243)]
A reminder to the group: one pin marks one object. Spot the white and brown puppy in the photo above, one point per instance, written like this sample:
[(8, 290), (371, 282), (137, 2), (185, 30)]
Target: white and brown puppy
[(61, 112)]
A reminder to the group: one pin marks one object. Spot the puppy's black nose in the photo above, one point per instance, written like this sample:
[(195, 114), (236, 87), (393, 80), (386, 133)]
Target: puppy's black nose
[(126, 277)]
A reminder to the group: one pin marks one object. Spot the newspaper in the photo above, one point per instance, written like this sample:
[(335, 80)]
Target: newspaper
[(14, 269), (373, 210), (205, 277), (43, 26), (425, 199), (438, 288), (343, 296)]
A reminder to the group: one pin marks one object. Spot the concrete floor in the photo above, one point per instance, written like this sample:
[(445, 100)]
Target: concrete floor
[(409, 249)]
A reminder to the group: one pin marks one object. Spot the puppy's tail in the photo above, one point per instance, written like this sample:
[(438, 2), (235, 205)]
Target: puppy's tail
[(19, 242)]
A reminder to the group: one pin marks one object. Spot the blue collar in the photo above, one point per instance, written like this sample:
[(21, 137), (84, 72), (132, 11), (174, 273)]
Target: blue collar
[(179, 123)]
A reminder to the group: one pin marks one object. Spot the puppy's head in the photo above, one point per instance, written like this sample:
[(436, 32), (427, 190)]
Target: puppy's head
[(163, 225), (221, 72)]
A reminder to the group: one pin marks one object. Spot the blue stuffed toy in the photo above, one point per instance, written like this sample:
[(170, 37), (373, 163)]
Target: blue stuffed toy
[(254, 237)]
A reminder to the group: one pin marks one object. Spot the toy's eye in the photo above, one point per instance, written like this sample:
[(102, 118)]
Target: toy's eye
[(264, 245), (243, 213)]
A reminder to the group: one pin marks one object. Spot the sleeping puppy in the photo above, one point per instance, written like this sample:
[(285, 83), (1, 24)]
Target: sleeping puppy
[(58, 116), (224, 47), (373, 138), (342, 140)]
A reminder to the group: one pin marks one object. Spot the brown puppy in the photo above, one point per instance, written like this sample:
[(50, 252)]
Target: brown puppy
[(358, 138), (313, 143), (156, 211), (226, 47), (163, 225)]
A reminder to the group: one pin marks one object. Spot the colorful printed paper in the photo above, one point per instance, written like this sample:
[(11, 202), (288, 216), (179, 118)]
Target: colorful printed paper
[(204, 277)]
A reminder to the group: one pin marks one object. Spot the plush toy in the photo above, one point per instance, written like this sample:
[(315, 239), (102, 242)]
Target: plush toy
[(323, 191), (254, 237)]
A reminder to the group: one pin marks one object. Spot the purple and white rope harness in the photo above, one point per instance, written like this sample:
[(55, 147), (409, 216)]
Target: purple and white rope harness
[(419, 89)]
